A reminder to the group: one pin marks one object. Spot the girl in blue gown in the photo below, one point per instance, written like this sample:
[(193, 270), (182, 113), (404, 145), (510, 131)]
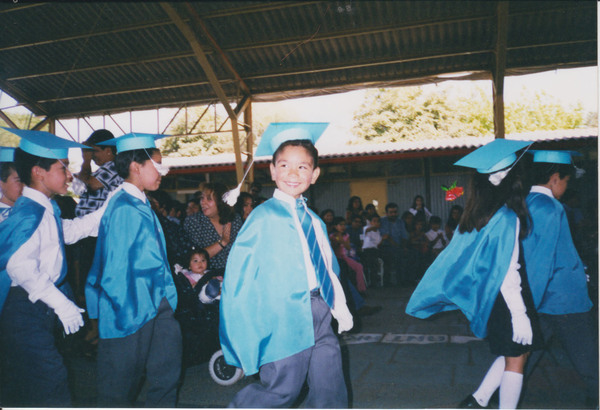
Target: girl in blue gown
[(482, 273)]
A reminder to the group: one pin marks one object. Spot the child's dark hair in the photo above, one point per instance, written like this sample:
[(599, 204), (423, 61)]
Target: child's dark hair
[(124, 159), (435, 220), (350, 206), (372, 216), (542, 171), (338, 220), (6, 168), (306, 144), (24, 163), (484, 199), (197, 251)]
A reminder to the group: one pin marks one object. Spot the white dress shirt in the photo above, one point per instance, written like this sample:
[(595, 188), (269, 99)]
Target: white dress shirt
[(37, 264)]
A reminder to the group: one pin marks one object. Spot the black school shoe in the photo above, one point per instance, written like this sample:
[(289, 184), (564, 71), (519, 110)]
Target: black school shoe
[(470, 403)]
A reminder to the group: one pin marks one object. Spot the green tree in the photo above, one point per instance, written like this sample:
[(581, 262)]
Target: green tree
[(23, 121), (412, 114)]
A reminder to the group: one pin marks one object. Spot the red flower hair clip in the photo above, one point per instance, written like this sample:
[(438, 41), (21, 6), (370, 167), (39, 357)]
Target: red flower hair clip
[(453, 191)]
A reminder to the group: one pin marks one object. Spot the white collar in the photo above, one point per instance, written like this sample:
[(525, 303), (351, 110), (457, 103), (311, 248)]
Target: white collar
[(134, 191), (542, 190), (38, 197), (282, 196)]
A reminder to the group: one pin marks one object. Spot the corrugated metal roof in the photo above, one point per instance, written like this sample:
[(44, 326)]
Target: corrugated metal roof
[(343, 151), (65, 59)]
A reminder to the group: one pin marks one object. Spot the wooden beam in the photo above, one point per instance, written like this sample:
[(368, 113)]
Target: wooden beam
[(190, 36), (41, 124), (249, 140), (7, 120), (499, 68), (198, 21)]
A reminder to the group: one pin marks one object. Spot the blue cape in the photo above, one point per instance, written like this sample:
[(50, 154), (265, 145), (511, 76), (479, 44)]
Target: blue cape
[(467, 275), (554, 269), (130, 274), (265, 304), (22, 222)]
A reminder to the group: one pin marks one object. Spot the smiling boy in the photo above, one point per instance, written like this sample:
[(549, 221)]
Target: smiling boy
[(281, 286)]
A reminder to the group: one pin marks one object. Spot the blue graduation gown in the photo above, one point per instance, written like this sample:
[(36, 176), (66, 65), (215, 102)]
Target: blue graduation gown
[(130, 274), (467, 275), (265, 304), (554, 269), (24, 219)]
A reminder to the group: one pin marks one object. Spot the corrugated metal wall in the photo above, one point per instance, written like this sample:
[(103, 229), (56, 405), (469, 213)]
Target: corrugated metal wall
[(334, 195), (402, 191)]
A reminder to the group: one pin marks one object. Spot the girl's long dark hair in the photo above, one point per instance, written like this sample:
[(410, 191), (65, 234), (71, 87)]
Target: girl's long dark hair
[(484, 200)]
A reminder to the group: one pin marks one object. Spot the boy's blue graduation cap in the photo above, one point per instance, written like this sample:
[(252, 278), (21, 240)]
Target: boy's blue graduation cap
[(554, 157), (44, 144), (494, 156), (7, 154), (279, 132), (133, 140)]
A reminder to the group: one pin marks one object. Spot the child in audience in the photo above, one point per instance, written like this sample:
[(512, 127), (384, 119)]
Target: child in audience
[(206, 286), (370, 251), (199, 292), (436, 236), (340, 242)]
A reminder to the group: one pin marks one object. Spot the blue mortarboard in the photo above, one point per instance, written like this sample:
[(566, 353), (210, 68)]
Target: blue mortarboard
[(279, 132), (494, 156), (7, 154), (44, 144), (554, 157), (133, 140)]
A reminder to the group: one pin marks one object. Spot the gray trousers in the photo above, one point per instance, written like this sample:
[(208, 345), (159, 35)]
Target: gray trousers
[(320, 365), (154, 351), (578, 336)]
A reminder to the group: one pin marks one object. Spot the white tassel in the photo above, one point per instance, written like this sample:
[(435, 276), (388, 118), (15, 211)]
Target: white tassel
[(230, 197)]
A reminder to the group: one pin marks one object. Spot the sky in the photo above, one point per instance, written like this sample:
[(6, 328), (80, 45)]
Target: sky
[(569, 86)]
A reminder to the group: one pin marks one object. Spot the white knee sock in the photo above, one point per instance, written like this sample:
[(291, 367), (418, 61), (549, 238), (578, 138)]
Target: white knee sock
[(490, 382), (510, 390)]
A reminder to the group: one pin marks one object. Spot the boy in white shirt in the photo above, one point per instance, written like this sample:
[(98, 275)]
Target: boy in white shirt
[(370, 249), (33, 269), (436, 236)]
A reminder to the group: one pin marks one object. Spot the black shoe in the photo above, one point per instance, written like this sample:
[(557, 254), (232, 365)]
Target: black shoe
[(470, 403)]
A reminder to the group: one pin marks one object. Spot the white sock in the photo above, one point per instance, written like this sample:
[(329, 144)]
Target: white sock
[(510, 390), (490, 382)]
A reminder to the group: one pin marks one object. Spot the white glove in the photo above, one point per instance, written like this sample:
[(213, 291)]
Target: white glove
[(511, 291), (68, 312), (178, 268), (343, 317), (340, 310), (70, 316), (522, 332)]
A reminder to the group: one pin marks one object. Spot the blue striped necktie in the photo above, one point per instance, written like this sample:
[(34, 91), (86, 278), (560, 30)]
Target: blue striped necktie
[(315, 253), (63, 272)]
